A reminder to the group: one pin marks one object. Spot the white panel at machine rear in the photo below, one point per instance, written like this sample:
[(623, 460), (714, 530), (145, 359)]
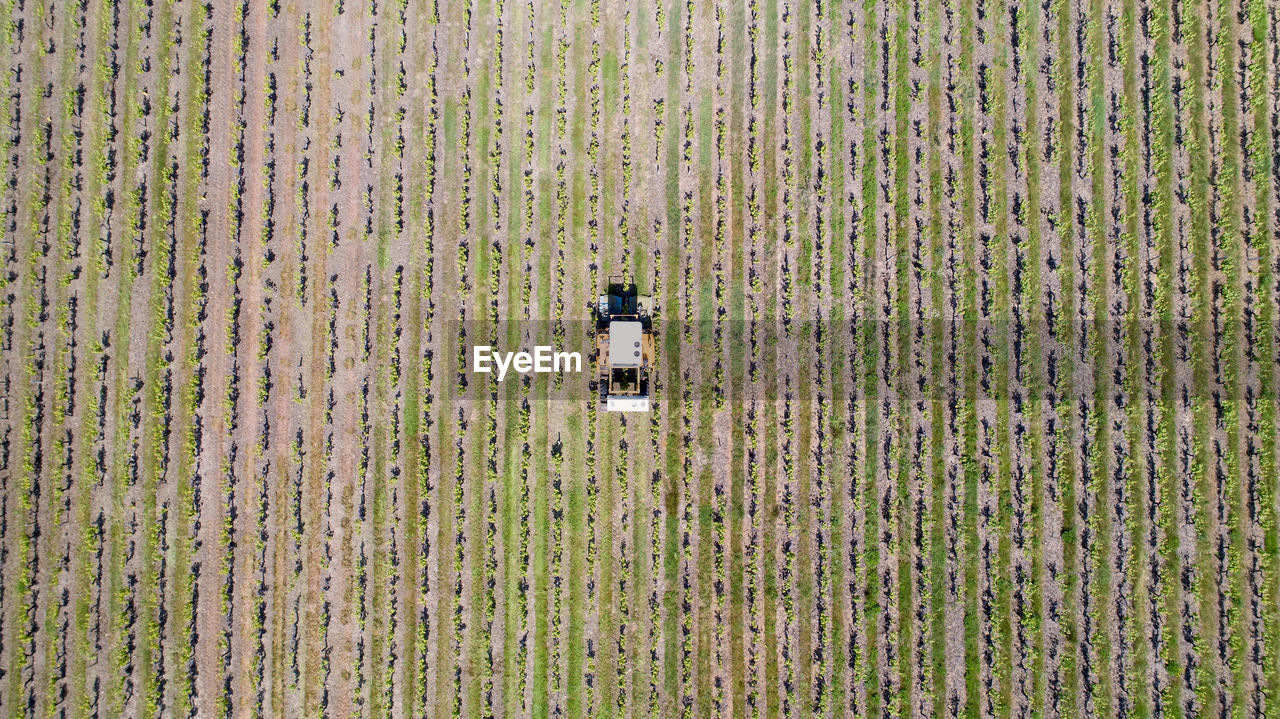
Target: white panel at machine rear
[(627, 404)]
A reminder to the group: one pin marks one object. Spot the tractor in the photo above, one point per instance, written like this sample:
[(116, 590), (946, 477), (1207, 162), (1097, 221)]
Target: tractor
[(624, 346)]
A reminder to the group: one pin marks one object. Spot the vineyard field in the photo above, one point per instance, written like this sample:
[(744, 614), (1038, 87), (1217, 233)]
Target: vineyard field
[(964, 403)]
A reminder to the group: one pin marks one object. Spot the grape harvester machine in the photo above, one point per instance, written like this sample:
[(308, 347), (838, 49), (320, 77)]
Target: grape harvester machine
[(624, 347)]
